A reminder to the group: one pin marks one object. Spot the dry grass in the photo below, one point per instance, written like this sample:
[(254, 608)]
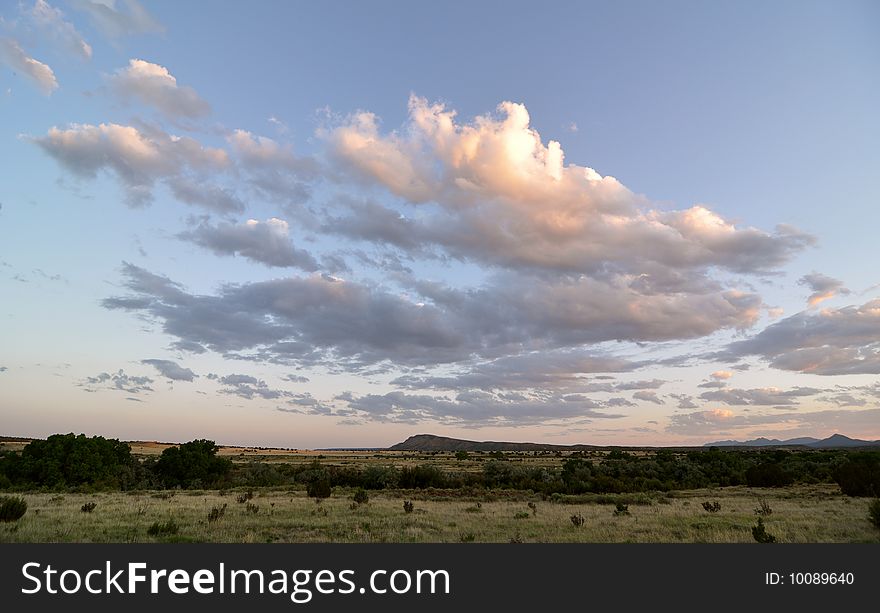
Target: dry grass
[(801, 514)]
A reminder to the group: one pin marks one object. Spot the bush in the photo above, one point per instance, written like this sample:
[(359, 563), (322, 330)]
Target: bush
[(621, 509), (408, 506), (360, 496), (860, 476), (760, 534), (769, 474), (161, 529), (242, 498), (252, 508), (521, 515), (577, 520), (88, 507), (193, 464), (12, 508), (534, 509), (874, 512), (216, 513), (712, 507), (319, 489), (763, 508)]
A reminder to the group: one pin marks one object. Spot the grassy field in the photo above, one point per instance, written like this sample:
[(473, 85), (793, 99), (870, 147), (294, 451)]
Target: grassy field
[(800, 514)]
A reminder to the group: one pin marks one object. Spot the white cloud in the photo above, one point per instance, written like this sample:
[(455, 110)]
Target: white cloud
[(153, 85), (15, 57), (117, 18), (51, 20)]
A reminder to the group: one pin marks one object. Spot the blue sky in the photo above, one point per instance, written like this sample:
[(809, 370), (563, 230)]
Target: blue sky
[(340, 223)]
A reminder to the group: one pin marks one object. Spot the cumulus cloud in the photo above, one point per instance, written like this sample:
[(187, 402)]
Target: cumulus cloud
[(153, 85), (117, 18), (15, 57), (171, 370), (137, 158), (267, 242), (828, 342), (823, 287), (119, 380), (51, 20), (509, 199)]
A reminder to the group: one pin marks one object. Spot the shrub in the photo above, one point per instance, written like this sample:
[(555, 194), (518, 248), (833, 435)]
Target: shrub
[(461, 455), (252, 508), (769, 474), (534, 509), (763, 508), (860, 476), (88, 507), (468, 537), (760, 534), (12, 508), (193, 464), (521, 515), (360, 496), (408, 506), (242, 498), (712, 507), (216, 513), (874, 512), (577, 520), (621, 509), (160, 529), (319, 489)]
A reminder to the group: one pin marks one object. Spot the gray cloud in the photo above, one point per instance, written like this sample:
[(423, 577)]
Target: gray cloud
[(248, 387), (267, 242), (828, 342), (767, 396), (154, 86), (117, 381), (171, 370), (684, 401), (273, 170), (648, 396), (219, 199), (473, 409), (823, 287)]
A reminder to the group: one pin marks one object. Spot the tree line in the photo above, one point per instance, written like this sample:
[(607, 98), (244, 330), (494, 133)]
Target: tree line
[(68, 461)]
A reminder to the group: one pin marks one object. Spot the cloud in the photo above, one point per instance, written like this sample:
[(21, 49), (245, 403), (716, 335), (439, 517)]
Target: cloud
[(648, 396), (563, 369), (508, 199), (197, 193), (267, 242), (721, 375), (117, 381), (684, 401), (828, 342), (823, 287), (248, 387), (51, 20), (766, 396), (137, 158), (171, 370), (818, 423), (3, 369), (153, 85), (472, 409), (15, 57), (118, 18), (274, 171)]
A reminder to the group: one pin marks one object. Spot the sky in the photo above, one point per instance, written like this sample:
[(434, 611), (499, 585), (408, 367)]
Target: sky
[(337, 224)]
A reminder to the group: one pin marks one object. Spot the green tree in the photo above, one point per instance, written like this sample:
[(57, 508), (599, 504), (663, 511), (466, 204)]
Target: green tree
[(192, 465)]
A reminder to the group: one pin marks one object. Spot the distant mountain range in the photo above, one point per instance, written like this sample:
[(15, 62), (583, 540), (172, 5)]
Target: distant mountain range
[(833, 441), (431, 442)]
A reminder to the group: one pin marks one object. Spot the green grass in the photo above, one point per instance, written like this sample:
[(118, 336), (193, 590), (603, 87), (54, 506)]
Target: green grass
[(801, 514)]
